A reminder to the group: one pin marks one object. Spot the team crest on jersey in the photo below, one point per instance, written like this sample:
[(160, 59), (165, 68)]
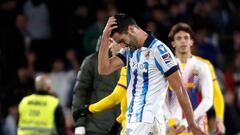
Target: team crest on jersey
[(195, 72), (193, 79), (162, 49)]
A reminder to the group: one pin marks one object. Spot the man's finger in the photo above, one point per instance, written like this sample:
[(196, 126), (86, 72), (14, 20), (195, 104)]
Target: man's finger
[(113, 27), (111, 20), (109, 25)]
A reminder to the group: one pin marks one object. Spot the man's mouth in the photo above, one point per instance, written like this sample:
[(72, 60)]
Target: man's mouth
[(183, 46)]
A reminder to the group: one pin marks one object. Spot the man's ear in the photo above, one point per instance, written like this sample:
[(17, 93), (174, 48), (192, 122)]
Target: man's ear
[(192, 43), (173, 45), (131, 29)]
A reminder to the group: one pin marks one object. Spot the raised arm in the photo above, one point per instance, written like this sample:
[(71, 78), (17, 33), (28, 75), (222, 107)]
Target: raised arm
[(107, 65)]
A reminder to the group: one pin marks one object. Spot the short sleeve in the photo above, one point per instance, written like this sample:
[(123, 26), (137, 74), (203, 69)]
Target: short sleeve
[(123, 55), (123, 78), (164, 59)]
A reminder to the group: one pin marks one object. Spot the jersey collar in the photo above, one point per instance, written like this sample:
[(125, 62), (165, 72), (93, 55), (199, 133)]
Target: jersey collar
[(149, 40)]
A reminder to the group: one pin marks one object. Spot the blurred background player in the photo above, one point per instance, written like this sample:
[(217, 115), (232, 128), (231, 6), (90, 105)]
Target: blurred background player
[(90, 87), (218, 101), (199, 85), (41, 113)]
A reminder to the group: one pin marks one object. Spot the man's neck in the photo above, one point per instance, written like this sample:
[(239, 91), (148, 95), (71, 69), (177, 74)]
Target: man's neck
[(183, 57), (142, 37)]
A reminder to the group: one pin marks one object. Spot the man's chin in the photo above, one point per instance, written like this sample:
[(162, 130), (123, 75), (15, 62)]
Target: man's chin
[(183, 52)]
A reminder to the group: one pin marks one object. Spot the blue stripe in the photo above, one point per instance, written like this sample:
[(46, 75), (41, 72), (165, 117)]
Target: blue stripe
[(130, 107), (138, 56), (129, 67), (158, 66), (128, 74), (125, 54), (144, 92), (131, 53), (153, 42)]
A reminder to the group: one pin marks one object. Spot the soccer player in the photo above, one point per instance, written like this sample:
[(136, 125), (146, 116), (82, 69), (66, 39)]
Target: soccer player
[(199, 78), (148, 75)]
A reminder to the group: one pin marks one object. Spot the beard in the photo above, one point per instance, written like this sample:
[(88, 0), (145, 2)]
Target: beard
[(133, 44), (132, 47)]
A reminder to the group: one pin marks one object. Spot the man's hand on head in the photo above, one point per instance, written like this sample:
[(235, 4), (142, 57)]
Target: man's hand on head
[(111, 24)]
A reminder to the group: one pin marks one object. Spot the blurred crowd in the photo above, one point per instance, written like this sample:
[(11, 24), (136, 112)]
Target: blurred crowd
[(54, 36)]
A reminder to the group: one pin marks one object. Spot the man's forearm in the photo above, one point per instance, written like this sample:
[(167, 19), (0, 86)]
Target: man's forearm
[(103, 59), (176, 83), (218, 100), (108, 102)]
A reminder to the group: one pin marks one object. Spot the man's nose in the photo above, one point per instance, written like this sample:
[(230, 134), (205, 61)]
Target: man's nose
[(183, 40)]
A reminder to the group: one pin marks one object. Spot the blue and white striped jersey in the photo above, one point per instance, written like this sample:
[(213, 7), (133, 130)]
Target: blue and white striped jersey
[(147, 69)]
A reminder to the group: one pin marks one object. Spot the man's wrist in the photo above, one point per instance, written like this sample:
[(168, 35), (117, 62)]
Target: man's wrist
[(189, 124), (105, 37), (218, 119)]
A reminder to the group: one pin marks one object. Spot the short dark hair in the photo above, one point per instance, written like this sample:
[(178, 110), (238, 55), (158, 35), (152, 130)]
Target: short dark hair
[(123, 21), (180, 27)]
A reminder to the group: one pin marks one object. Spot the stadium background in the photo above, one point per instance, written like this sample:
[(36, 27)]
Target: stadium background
[(54, 36)]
